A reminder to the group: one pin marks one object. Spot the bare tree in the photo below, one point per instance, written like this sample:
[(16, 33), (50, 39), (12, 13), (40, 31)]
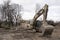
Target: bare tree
[(11, 12)]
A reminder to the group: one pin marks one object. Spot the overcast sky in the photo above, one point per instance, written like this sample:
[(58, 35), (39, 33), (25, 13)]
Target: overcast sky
[(30, 7)]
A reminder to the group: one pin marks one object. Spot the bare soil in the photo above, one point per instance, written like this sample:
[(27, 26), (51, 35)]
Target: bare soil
[(22, 34)]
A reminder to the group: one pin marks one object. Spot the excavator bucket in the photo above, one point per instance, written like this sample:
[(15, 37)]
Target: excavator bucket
[(47, 30)]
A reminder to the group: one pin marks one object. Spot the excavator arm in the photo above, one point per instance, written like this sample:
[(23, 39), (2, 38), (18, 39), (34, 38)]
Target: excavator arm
[(43, 11)]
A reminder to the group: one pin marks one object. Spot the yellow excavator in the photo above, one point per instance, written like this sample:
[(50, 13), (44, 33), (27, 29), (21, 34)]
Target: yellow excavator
[(44, 27)]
